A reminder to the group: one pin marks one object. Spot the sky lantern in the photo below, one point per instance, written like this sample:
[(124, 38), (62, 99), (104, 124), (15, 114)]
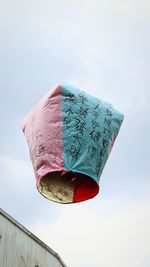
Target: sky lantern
[(70, 135)]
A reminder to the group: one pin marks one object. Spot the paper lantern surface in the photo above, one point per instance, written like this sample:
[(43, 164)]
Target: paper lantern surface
[(70, 135)]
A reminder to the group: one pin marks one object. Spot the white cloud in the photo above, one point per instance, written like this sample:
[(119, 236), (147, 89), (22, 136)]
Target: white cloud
[(16, 172), (84, 237), (102, 47)]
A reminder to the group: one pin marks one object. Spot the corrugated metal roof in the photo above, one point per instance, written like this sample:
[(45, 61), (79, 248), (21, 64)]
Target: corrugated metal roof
[(27, 232)]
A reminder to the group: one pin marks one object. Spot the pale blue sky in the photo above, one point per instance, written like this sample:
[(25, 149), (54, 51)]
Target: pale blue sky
[(103, 48)]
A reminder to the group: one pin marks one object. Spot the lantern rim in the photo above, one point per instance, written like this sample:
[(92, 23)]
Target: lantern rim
[(73, 188)]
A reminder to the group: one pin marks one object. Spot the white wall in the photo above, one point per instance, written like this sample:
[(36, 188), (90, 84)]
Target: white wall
[(19, 248)]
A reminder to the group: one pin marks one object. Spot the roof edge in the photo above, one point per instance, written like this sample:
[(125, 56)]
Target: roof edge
[(31, 235)]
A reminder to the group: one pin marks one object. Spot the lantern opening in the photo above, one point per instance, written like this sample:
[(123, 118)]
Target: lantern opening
[(68, 187)]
